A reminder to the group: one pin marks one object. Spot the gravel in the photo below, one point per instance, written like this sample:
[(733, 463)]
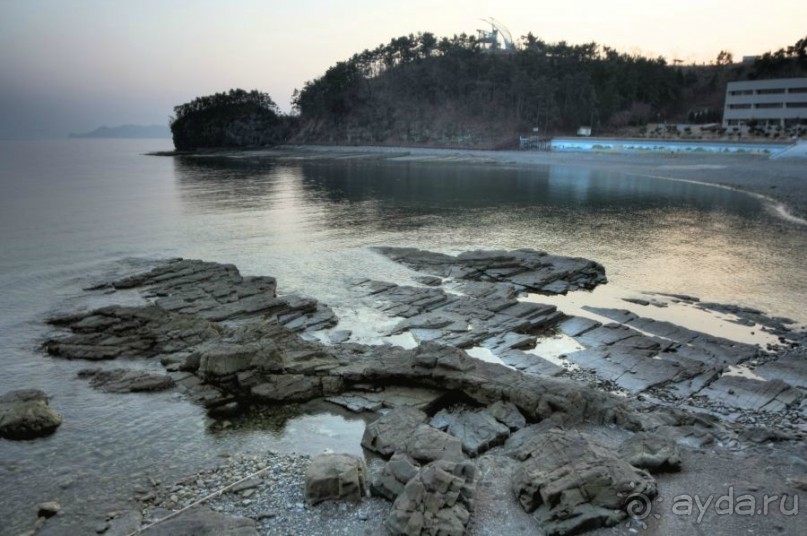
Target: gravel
[(274, 499)]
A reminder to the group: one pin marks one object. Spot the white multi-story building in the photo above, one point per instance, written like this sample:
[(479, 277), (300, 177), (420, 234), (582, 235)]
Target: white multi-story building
[(781, 102)]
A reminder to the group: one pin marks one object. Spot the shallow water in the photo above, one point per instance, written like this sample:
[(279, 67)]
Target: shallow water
[(71, 210)]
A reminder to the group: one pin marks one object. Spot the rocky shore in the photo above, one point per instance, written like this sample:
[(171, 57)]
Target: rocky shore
[(517, 443)]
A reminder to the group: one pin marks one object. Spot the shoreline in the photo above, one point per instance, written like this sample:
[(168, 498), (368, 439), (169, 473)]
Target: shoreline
[(699, 417), (780, 183)]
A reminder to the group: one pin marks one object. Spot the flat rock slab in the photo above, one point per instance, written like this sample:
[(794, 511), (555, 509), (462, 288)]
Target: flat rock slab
[(24, 414), (577, 325), (219, 292), (477, 430), (748, 393), (791, 369), (713, 351), (126, 332), (634, 369), (529, 363), (489, 316), (535, 271), (390, 397), (127, 381)]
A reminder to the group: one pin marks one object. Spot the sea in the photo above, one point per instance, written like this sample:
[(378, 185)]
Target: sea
[(77, 212)]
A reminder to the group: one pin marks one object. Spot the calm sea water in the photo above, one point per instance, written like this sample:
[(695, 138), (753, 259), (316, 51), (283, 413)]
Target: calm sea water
[(74, 211)]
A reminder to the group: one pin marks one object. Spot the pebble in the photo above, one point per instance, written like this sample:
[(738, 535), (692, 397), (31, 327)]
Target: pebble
[(276, 501), (49, 509)]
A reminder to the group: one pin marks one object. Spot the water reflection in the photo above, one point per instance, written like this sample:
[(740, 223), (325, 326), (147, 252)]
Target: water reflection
[(395, 196), (309, 223), (225, 184)]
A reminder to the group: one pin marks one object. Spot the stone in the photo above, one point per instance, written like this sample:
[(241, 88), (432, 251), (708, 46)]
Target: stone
[(127, 332), (222, 358), (357, 403), (572, 484), (635, 369), (202, 521), (477, 430), (394, 476), (48, 509), (529, 363), (427, 444), (522, 443), (747, 393), (335, 477), (429, 280), (126, 381), (650, 452), (288, 387), (507, 413), (694, 345), (790, 368), (340, 336), (24, 414), (390, 432), (577, 325), (125, 522), (437, 501), (534, 270), (390, 397)]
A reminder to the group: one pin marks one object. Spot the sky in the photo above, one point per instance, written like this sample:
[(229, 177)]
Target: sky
[(74, 65)]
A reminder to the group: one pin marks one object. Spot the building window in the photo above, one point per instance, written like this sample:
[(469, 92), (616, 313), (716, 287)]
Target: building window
[(797, 90), (742, 92), (739, 106), (770, 91), (797, 104), (769, 105)]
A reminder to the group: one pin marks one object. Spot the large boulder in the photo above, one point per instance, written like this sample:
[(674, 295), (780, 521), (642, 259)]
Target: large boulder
[(24, 414), (397, 472), (437, 501), (572, 484), (427, 444), (221, 358), (391, 432), (335, 477)]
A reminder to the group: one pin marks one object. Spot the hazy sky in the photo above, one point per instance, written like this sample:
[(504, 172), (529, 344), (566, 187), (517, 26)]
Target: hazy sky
[(73, 65)]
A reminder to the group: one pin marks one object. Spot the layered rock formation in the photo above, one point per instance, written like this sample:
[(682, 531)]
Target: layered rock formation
[(229, 341)]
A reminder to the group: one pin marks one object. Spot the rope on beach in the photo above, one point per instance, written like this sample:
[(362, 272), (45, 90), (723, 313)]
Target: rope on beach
[(198, 502)]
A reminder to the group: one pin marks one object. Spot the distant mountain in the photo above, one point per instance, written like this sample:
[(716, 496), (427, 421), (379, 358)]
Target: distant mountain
[(127, 131)]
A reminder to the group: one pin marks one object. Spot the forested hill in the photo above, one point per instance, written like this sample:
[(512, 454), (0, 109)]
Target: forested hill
[(452, 91)]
